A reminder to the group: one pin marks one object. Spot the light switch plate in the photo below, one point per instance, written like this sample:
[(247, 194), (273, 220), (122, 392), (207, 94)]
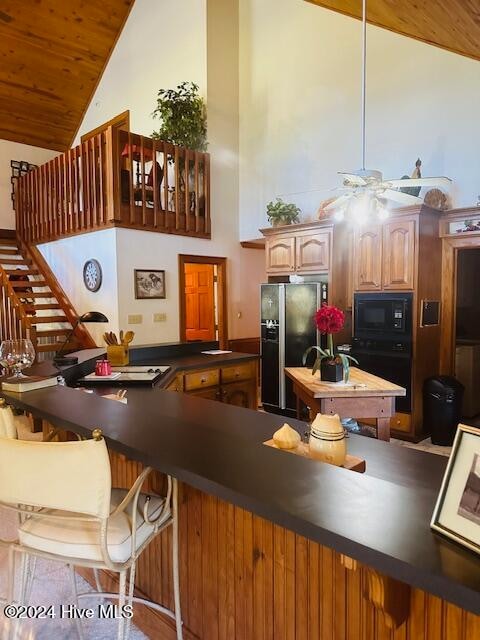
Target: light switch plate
[(135, 319), (159, 317)]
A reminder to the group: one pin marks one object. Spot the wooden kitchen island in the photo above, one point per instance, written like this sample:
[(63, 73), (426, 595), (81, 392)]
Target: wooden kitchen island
[(364, 396), (276, 546)]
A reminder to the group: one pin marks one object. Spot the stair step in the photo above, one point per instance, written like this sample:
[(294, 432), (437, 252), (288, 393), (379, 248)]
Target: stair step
[(48, 319), (22, 272), (8, 252), (31, 283), (39, 294), (44, 307), (52, 332), (8, 241), (12, 261)]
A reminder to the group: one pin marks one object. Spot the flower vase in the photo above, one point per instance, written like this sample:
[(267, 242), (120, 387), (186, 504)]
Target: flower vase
[(331, 371)]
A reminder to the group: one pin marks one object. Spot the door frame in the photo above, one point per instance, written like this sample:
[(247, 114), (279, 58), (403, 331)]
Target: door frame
[(221, 264), (450, 249)]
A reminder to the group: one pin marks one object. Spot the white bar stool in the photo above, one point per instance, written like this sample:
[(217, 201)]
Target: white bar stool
[(69, 512)]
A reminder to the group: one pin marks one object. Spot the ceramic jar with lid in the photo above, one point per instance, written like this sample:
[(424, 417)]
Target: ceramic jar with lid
[(327, 440)]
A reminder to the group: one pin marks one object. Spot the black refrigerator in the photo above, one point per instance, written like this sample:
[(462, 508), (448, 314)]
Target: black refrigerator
[(287, 330)]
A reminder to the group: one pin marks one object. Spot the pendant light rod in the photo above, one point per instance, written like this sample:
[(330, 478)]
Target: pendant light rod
[(364, 79)]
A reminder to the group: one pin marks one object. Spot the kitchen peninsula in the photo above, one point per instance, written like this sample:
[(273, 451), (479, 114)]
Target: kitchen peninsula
[(275, 545)]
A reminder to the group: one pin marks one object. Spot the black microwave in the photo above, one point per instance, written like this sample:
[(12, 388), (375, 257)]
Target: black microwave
[(383, 315)]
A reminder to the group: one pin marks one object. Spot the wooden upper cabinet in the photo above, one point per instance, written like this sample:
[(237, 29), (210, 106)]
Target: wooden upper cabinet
[(280, 253), (368, 259), (399, 255), (313, 252)]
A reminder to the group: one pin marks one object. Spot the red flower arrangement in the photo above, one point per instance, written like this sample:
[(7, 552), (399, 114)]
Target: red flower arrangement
[(329, 319)]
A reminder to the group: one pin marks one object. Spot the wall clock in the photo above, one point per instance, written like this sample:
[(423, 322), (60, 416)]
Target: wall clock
[(92, 275)]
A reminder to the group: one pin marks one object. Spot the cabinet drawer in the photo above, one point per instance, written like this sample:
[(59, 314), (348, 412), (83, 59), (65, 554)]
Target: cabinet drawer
[(175, 384), (238, 372), (401, 422), (202, 379)]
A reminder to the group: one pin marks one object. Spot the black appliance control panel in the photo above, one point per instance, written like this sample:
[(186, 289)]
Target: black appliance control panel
[(385, 346)]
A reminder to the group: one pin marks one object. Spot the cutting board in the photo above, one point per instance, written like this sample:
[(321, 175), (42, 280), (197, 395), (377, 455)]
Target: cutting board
[(352, 463)]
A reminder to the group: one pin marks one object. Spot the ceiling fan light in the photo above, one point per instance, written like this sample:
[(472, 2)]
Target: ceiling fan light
[(360, 209), (339, 214), (382, 212)]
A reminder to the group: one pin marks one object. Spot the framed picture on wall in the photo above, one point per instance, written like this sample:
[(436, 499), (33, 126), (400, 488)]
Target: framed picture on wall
[(149, 283), (457, 512)]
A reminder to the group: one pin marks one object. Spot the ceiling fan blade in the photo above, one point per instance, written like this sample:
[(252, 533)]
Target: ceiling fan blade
[(353, 179), (440, 181), (342, 200), (402, 198)]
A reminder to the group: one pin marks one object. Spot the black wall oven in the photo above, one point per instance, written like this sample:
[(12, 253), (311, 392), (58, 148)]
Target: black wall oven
[(382, 340)]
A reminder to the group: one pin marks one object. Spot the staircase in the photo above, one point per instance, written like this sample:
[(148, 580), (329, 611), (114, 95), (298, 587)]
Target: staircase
[(32, 303)]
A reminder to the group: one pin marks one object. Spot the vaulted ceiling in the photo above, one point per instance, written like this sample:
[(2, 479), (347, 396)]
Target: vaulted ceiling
[(52, 55), (449, 24)]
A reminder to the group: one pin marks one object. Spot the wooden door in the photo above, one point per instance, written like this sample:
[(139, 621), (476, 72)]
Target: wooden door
[(368, 259), (313, 252), (280, 255), (399, 255), (199, 302)]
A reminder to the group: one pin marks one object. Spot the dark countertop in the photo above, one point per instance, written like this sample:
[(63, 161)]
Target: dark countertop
[(380, 518)]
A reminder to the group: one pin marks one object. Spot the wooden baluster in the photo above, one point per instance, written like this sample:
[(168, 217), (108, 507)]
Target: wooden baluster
[(197, 199), (76, 189), (165, 185), (187, 190), (62, 184), (33, 204), (206, 190), (156, 185), (142, 167), (68, 191), (39, 209), (177, 188), (132, 179), (49, 201), (101, 195), (87, 186), (93, 184)]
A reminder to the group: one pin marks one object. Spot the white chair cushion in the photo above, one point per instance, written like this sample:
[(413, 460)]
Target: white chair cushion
[(75, 539)]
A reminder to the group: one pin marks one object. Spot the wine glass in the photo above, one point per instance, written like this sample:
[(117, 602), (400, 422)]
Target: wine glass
[(18, 354)]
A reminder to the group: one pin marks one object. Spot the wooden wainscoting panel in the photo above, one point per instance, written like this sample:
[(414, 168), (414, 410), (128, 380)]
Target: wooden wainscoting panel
[(244, 578)]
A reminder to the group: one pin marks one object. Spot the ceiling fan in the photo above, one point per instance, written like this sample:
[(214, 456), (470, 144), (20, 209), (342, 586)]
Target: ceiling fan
[(366, 191)]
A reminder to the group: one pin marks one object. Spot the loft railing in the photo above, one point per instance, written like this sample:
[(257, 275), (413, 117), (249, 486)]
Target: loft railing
[(116, 178)]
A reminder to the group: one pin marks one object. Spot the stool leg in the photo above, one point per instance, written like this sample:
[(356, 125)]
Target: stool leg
[(176, 573), (131, 587), (78, 623), (121, 603)]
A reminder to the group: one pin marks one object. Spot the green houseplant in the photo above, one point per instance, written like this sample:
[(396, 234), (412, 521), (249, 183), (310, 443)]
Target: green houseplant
[(333, 367), (281, 212), (183, 117)]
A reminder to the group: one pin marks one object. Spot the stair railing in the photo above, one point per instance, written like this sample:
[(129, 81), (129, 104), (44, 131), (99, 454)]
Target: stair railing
[(14, 322)]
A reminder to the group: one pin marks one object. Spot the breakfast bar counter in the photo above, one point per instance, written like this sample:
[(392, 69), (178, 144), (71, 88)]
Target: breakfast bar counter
[(274, 545)]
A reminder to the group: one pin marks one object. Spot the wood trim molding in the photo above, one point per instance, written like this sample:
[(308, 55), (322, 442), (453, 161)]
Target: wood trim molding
[(246, 244), (222, 294), (122, 121)]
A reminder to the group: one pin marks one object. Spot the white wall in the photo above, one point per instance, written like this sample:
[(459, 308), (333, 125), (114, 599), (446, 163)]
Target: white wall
[(15, 151), (300, 86), (66, 259)]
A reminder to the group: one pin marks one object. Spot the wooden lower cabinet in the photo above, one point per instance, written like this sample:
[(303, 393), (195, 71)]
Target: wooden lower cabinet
[(232, 384), (244, 578)]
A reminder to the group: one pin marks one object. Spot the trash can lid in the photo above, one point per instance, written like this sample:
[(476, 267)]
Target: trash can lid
[(443, 384)]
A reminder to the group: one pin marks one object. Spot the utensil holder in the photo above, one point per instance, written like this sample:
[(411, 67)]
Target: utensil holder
[(117, 354)]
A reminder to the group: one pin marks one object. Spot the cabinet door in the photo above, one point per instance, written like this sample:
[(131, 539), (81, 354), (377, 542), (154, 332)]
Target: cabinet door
[(280, 255), (213, 393), (313, 252), (399, 255), (368, 259), (240, 394)]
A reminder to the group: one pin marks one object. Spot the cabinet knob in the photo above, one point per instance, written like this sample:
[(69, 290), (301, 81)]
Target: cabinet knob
[(203, 380)]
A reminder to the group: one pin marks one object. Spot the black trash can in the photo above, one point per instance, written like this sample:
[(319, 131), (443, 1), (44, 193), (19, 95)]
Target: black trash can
[(442, 408)]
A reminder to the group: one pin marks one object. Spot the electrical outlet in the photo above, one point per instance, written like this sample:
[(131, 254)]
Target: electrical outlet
[(159, 317), (135, 319)]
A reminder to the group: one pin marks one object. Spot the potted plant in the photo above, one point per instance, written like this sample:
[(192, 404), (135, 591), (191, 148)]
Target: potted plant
[(281, 212), (333, 367), (183, 117)]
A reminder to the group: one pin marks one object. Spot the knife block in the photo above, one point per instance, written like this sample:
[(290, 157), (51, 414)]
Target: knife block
[(117, 354)]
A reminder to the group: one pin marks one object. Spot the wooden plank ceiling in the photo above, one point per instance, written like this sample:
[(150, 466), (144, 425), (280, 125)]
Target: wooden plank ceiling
[(449, 24), (52, 55)]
